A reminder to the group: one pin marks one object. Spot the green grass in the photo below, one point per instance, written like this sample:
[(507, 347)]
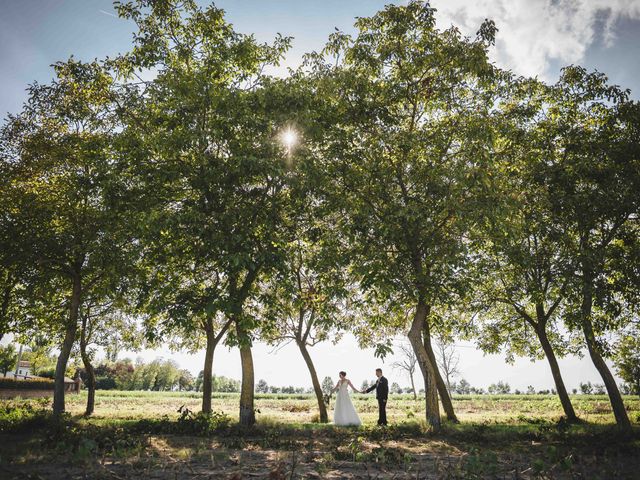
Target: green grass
[(301, 408)]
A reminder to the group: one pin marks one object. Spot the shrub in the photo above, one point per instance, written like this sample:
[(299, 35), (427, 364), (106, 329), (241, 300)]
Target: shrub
[(25, 415), (29, 384), (48, 373), (105, 383)]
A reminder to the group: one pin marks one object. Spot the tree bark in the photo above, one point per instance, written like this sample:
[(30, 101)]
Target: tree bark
[(432, 409), (445, 398), (413, 387), (91, 374), (65, 350), (555, 371), (619, 412), (322, 408), (247, 410), (208, 367), (207, 372)]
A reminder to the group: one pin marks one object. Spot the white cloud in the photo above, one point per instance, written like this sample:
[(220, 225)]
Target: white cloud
[(532, 33)]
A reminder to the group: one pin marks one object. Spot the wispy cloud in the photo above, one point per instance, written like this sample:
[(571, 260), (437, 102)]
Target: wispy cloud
[(107, 13), (532, 33)]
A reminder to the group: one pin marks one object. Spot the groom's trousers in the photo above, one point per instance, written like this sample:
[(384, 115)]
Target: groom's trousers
[(382, 411)]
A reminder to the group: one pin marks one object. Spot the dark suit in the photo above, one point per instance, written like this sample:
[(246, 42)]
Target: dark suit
[(382, 394)]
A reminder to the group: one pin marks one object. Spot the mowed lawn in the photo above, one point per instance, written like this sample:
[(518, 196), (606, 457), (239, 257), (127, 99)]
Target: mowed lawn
[(302, 408)]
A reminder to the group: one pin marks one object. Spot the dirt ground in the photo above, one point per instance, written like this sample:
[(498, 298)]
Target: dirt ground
[(165, 457)]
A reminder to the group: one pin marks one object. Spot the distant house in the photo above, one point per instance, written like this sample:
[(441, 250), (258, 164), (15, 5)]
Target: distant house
[(23, 372), (24, 368)]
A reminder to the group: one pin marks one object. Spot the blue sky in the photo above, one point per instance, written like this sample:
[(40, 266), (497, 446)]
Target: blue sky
[(536, 37)]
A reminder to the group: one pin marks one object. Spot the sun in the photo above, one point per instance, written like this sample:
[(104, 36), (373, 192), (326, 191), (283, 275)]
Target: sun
[(289, 138)]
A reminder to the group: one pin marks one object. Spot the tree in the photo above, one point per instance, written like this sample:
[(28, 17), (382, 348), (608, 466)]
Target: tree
[(500, 388), (66, 191), (408, 364), (220, 202), (8, 358), (586, 388), (447, 359), (404, 159), (38, 353), (592, 175), (524, 283), (262, 386), (463, 387), (327, 386)]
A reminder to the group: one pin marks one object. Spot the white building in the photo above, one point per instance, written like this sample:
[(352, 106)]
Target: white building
[(24, 368), (24, 371)]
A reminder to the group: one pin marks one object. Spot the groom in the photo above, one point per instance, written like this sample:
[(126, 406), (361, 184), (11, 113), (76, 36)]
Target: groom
[(382, 393)]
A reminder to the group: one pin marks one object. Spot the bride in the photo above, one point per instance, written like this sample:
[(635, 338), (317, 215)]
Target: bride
[(344, 413)]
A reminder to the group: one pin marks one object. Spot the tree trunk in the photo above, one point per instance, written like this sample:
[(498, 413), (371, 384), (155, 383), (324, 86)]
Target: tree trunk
[(445, 398), (432, 409), (207, 380), (65, 350), (322, 408), (619, 412), (555, 371), (247, 411), (91, 374), (91, 384), (208, 368), (413, 387)]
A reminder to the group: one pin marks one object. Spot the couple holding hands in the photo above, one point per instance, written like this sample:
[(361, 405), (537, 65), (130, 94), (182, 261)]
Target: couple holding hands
[(345, 413)]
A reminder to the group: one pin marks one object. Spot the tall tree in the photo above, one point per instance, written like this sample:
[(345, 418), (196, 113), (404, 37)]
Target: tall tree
[(592, 173), (522, 257), (208, 134), (404, 158), (64, 190)]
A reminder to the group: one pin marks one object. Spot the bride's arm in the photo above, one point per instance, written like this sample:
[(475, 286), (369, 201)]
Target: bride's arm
[(335, 389), (354, 388)]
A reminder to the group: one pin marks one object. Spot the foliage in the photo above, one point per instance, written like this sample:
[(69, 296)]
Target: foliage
[(26, 384), (500, 388), (23, 416), (8, 357), (627, 359)]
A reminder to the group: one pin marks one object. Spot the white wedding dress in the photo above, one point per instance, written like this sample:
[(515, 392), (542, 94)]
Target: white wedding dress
[(344, 412)]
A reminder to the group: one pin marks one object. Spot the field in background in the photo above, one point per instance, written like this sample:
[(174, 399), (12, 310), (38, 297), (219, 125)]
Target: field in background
[(302, 408)]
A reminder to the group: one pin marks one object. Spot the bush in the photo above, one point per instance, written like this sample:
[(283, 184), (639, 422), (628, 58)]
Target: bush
[(17, 416), (201, 423), (30, 384), (105, 383), (48, 373)]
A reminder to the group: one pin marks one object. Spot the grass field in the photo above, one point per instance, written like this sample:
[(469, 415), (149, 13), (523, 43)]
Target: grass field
[(302, 408), (142, 435)]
